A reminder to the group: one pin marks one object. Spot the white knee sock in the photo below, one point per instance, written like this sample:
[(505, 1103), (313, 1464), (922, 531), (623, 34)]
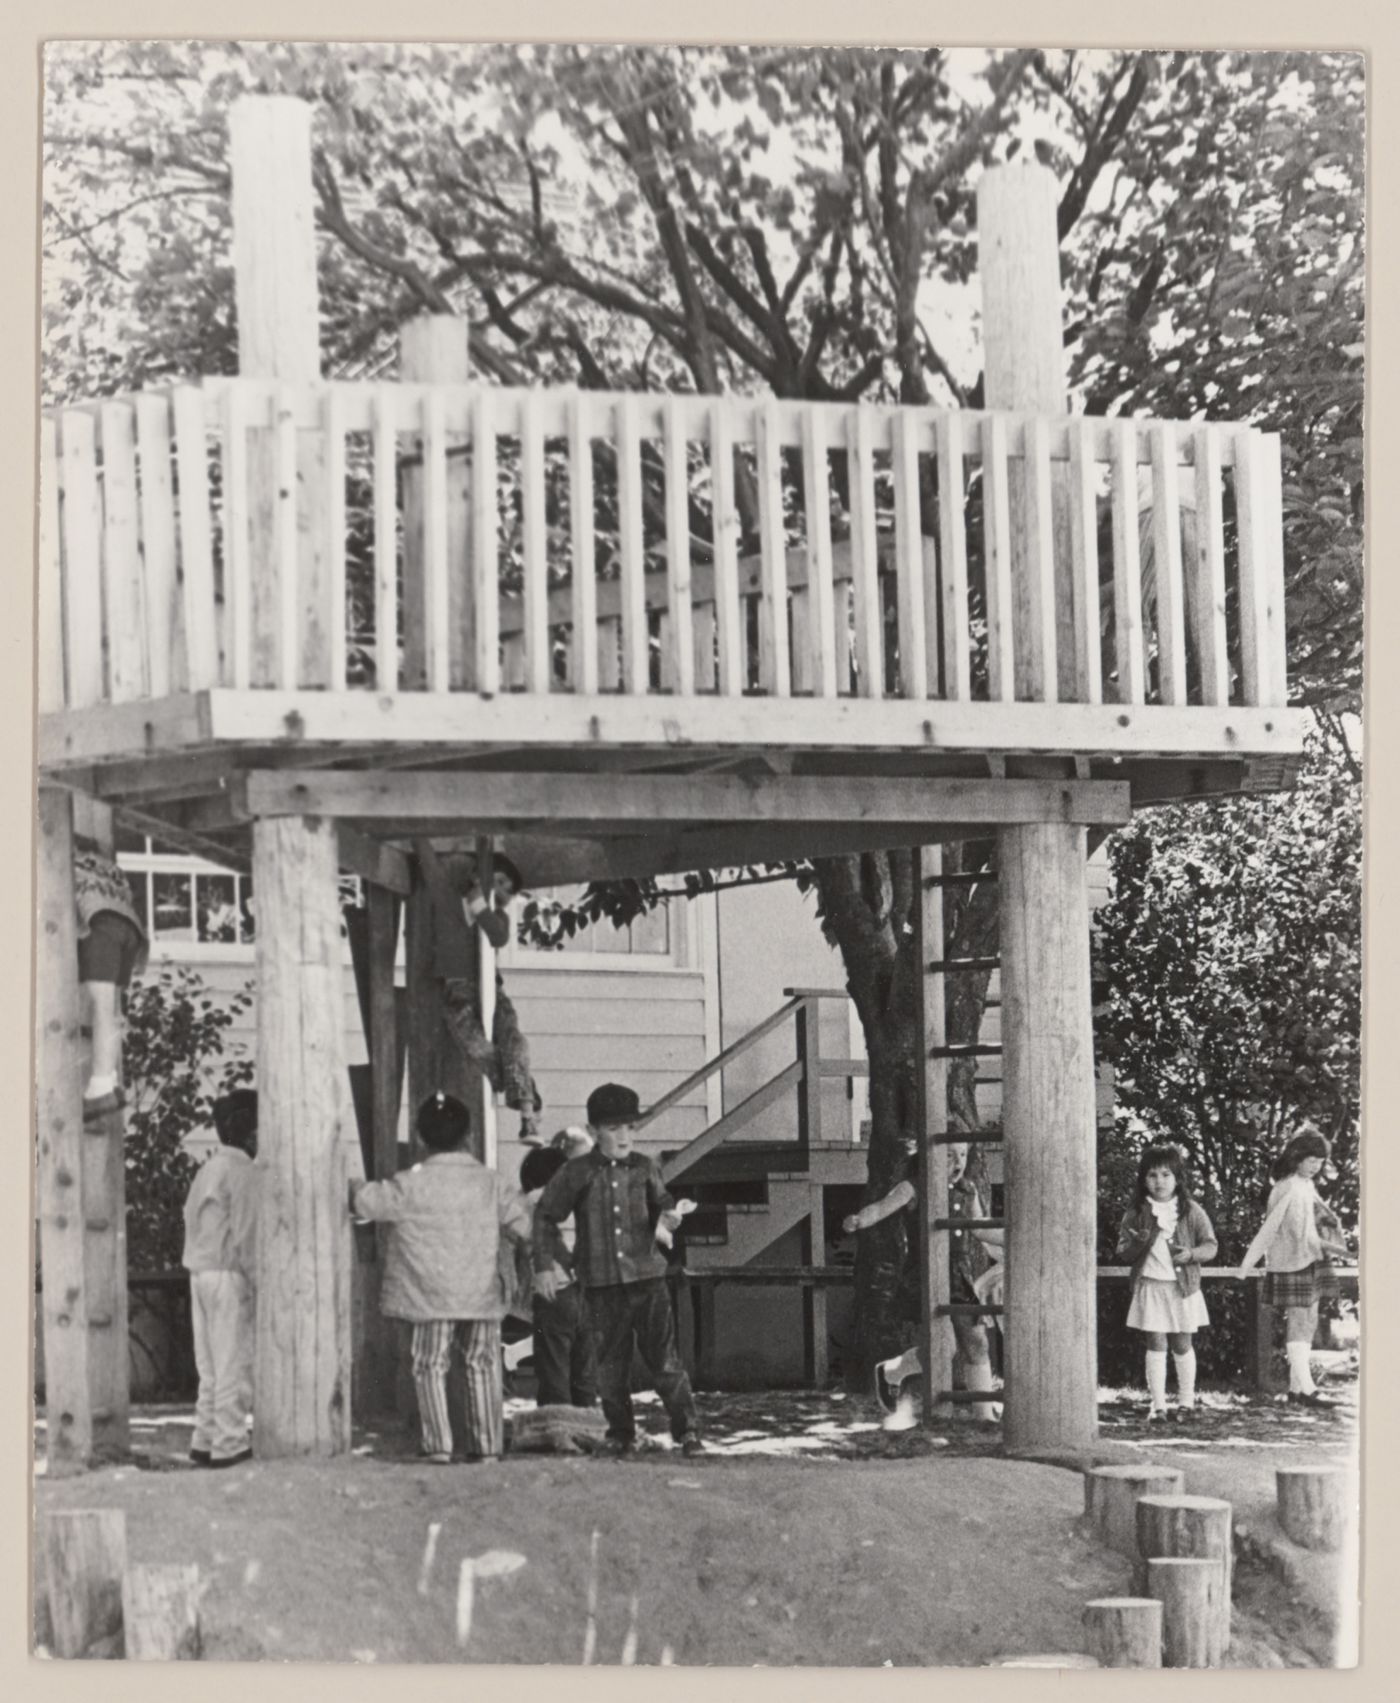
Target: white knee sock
[(1186, 1377), (1157, 1376), (1300, 1378), (977, 1375)]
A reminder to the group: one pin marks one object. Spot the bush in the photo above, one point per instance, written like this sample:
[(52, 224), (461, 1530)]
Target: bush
[(175, 1067)]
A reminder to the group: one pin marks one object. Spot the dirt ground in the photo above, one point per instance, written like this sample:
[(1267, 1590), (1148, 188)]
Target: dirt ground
[(807, 1537)]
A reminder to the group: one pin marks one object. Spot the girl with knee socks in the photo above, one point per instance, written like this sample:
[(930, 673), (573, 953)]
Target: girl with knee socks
[(1168, 1238), (1293, 1241)]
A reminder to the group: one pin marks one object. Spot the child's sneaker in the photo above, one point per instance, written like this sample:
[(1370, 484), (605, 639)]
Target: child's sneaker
[(1156, 1415)]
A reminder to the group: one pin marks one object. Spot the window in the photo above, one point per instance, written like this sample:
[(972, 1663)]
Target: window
[(652, 937), (184, 900)]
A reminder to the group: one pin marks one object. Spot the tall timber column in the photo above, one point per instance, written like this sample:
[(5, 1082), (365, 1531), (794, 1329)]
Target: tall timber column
[(301, 1400), (1047, 1027)]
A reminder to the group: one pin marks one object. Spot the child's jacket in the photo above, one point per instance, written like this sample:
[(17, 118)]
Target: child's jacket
[(447, 1215), (221, 1212), (1193, 1233), (615, 1205), (1288, 1239)]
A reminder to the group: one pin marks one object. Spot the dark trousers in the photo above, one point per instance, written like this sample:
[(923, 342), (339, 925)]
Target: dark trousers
[(566, 1366), (628, 1315)]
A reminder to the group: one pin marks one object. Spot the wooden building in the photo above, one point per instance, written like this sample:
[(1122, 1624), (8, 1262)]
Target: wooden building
[(197, 675)]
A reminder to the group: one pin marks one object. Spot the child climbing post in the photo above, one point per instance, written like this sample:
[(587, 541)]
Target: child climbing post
[(459, 904), (220, 1255), (975, 1256), (1168, 1238), (112, 950), (1294, 1241), (618, 1203), (442, 1273)]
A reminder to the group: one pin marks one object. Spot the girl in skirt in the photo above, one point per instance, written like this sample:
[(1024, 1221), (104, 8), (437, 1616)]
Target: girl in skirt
[(1168, 1238), (1293, 1241)]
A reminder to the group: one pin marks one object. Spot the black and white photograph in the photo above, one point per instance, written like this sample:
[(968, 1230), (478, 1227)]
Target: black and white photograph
[(699, 779)]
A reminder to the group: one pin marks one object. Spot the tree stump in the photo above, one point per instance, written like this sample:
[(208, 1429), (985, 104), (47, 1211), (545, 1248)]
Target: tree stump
[(160, 1612), (1315, 1504), (1125, 1632), (1111, 1495), (1183, 1526), (84, 1563), (1191, 1590)]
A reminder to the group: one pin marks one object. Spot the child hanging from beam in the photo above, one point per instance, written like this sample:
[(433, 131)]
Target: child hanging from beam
[(505, 1058), (112, 949), (974, 1280)]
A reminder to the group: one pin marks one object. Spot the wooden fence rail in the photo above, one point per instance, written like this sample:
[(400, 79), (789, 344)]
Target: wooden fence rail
[(585, 542)]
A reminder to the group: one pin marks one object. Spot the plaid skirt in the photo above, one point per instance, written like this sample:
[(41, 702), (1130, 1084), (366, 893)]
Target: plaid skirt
[(1305, 1288)]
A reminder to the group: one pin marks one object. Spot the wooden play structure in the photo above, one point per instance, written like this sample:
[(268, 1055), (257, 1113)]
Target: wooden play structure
[(622, 713)]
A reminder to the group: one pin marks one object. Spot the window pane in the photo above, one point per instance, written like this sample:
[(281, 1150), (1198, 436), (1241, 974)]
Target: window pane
[(652, 932), (173, 905), (246, 920), (217, 908)]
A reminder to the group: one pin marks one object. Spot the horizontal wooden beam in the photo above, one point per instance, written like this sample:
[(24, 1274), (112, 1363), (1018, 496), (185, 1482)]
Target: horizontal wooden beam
[(137, 729), (641, 801)]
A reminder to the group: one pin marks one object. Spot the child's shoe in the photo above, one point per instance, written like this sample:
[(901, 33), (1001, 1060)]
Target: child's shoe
[(903, 1418), (886, 1393), (439, 1457), (1156, 1415)]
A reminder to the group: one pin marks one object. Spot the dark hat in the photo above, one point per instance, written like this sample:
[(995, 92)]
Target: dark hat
[(613, 1104), (443, 1122)]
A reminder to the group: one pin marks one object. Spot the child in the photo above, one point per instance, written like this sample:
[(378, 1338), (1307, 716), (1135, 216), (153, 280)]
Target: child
[(618, 1201), (1168, 1238), (566, 1369), (220, 1255), (441, 1273), (971, 1253), (505, 1058), (1296, 1235), (111, 950)]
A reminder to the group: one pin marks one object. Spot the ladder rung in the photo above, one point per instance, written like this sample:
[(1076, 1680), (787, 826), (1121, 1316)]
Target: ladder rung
[(969, 1224), (991, 1137), (960, 880), (961, 1396), (962, 966), (966, 1309), (965, 1049)]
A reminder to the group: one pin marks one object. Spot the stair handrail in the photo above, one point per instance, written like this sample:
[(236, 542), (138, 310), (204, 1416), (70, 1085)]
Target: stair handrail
[(735, 1050)]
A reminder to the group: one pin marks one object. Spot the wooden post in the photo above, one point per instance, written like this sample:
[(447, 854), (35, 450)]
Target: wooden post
[(814, 1326), (1125, 1632), (376, 1377), (160, 1613), (1111, 1495), (1048, 1059), (809, 1094), (302, 1379), (936, 1341), (1316, 1503), (84, 1561), (274, 262), (1195, 1611)]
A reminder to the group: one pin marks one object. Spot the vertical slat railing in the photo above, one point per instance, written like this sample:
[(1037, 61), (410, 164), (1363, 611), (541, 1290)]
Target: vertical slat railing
[(1041, 648), (436, 599), (865, 555), (164, 664), (1207, 603), (704, 629), (1276, 611), (909, 562), (1166, 550), (952, 550), (585, 574), (333, 419), (485, 562), (678, 639), (196, 544), (50, 684), (238, 590), (535, 603), (1084, 559), (1127, 567), (386, 539), (121, 556), (632, 559), (81, 531), (608, 648), (728, 615), (1251, 508), (774, 670), (286, 640), (996, 529), (800, 639), (821, 592)]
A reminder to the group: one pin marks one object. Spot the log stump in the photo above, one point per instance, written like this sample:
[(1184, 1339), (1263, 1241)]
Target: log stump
[(1125, 1632), (160, 1613), (1191, 1590), (1315, 1504), (1182, 1526), (1111, 1495), (84, 1564)]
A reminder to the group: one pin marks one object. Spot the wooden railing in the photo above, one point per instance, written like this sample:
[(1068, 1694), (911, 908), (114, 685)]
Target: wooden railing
[(409, 537)]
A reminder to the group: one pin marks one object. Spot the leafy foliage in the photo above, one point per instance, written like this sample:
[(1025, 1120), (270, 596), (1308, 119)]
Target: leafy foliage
[(174, 1057)]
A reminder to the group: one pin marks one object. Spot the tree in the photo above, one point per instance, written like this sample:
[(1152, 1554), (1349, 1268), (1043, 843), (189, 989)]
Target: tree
[(783, 220)]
